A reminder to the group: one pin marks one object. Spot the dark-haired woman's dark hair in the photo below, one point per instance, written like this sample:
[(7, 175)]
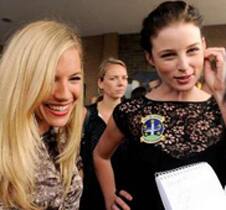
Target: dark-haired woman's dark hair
[(165, 14)]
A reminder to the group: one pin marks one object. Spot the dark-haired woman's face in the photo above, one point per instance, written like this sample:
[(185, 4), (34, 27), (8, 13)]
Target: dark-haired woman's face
[(178, 55)]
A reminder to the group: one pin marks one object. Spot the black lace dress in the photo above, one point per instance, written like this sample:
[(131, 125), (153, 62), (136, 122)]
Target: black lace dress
[(165, 135)]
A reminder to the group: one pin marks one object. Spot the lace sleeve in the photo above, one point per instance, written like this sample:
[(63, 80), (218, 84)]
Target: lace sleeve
[(119, 117)]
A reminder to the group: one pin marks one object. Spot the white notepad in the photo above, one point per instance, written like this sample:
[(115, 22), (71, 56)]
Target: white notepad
[(191, 187)]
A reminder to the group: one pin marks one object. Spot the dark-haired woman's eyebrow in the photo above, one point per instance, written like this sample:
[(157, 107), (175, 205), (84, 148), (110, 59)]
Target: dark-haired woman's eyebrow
[(194, 45)]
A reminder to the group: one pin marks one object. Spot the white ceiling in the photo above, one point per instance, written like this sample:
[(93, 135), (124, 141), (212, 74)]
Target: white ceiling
[(94, 17)]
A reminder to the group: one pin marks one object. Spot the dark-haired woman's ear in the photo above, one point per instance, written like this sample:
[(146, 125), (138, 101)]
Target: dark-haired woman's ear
[(149, 58), (204, 44)]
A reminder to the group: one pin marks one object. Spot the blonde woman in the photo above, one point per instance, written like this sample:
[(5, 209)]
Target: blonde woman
[(41, 94), (112, 83)]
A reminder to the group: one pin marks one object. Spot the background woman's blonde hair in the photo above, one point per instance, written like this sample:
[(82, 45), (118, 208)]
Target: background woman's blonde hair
[(104, 66), (27, 71)]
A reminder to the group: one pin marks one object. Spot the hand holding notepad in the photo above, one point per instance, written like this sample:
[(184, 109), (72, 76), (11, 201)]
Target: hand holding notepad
[(191, 187)]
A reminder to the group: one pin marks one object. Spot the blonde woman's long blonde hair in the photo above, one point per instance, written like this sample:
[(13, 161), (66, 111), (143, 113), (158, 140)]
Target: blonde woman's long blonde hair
[(27, 71)]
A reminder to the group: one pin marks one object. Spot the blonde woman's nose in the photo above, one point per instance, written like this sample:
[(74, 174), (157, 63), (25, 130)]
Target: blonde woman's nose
[(62, 91)]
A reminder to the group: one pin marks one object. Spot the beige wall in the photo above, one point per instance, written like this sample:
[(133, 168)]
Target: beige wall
[(215, 35), (102, 46), (96, 48)]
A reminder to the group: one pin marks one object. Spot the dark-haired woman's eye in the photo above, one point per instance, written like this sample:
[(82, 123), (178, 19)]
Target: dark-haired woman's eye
[(168, 56), (193, 50)]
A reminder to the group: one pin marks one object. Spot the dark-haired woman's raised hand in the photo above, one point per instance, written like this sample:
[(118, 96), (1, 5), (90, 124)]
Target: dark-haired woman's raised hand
[(215, 71)]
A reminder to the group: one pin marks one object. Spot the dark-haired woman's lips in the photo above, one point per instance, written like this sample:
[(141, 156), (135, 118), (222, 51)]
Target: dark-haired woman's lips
[(183, 79)]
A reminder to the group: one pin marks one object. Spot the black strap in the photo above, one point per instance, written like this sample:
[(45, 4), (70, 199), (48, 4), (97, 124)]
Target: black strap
[(86, 121)]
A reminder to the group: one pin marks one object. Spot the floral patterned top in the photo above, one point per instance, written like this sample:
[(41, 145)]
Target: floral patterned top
[(49, 189), (165, 135)]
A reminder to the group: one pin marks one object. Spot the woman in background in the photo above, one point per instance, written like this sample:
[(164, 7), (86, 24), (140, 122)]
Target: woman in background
[(41, 95), (174, 124), (112, 84)]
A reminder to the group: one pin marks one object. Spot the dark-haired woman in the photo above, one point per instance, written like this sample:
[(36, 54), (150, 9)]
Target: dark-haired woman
[(176, 123)]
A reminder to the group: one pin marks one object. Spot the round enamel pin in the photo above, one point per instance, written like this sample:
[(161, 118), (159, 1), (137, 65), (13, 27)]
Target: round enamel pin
[(152, 129)]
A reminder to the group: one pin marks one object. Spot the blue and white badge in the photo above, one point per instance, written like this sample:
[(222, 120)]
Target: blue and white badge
[(152, 129)]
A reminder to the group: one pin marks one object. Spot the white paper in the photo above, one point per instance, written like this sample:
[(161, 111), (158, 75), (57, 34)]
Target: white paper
[(192, 187)]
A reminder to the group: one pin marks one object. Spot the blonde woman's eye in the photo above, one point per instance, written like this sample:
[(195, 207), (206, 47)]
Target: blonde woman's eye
[(77, 78)]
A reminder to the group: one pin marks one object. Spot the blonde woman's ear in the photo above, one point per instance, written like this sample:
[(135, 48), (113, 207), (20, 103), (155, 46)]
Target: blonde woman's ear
[(99, 83), (100, 86)]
